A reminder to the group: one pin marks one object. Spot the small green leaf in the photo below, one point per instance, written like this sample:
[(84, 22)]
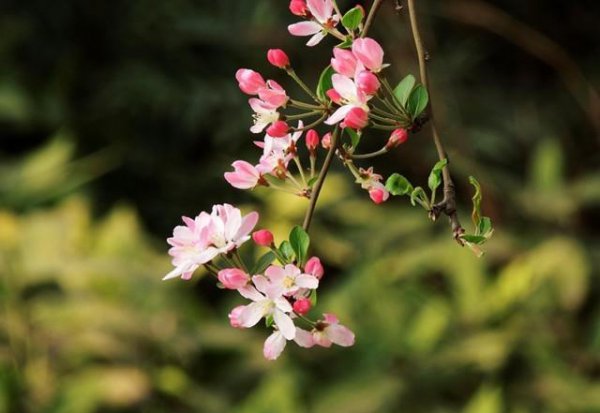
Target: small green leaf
[(473, 239), (476, 214), (262, 263), (346, 44), (325, 82), (397, 184), (417, 101), (313, 298), (287, 251), (354, 137), (435, 177), (299, 241), (418, 193), (269, 321), (403, 89), (485, 227), (312, 181), (352, 18)]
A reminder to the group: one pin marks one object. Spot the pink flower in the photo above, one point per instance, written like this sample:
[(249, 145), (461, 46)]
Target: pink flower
[(266, 302), (263, 237), (278, 129), (233, 278), (264, 114), (250, 82), (298, 7), (378, 193), (314, 267), (398, 137), (278, 58), (323, 19), (274, 345), (356, 118), (351, 97), (278, 152), (369, 53), (327, 332), (312, 140), (289, 279), (273, 94), (343, 62), (234, 316), (207, 236), (245, 176), (302, 306), (367, 82)]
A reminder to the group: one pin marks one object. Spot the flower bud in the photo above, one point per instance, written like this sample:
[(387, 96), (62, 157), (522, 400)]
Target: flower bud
[(367, 82), (302, 306), (326, 141), (312, 140), (278, 58), (234, 316), (233, 278), (357, 118), (343, 62), (263, 237), (378, 194), (398, 137), (334, 96), (298, 7), (314, 267), (278, 129), (250, 82)]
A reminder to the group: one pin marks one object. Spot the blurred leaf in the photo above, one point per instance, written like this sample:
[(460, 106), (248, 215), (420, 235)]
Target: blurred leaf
[(397, 184), (403, 90)]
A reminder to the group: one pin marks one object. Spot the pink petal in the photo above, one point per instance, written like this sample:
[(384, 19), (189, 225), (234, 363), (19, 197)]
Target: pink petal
[(339, 115), (340, 335), (316, 39), (274, 346), (304, 338), (344, 86), (251, 314), (247, 225), (320, 9), (304, 28)]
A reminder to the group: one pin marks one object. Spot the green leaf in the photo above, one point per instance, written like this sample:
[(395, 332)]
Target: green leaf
[(299, 241), (476, 214), (354, 137), (353, 18), (418, 193), (287, 251), (263, 262), (397, 184), (474, 239), (313, 298), (435, 177), (325, 82), (312, 181), (403, 89), (417, 101), (485, 227)]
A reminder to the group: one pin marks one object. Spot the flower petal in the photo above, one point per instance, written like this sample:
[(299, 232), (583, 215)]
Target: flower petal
[(339, 115), (248, 223), (316, 39), (304, 28), (304, 338), (274, 346), (307, 281), (285, 324), (340, 335), (252, 314)]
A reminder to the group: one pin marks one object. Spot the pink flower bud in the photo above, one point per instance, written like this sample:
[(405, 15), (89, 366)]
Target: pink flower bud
[(263, 237), (312, 140), (250, 82), (278, 58), (298, 7), (314, 267), (378, 194), (234, 316), (326, 141), (343, 62), (369, 53), (334, 96), (233, 278), (398, 137), (357, 118), (278, 129), (302, 306), (367, 82)]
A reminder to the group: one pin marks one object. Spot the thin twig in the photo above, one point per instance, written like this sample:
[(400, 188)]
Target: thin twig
[(320, 180), (382, 151), (371, 16), (448, 204)]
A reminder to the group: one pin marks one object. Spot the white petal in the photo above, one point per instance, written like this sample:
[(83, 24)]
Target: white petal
[(307, 281), (304, 338), (344, 86), (274, 346), (285, 324), (340, 335), (316, 39), (251, 293), (283, 304), (339, 115), (248, 223), (252, 314)]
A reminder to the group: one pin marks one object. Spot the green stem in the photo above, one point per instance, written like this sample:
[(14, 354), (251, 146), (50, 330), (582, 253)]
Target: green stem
[(312, 125), (238, 258), (300, 169), (382, 151), (294, 76), (321, 180), (305, 105), (303, 115)]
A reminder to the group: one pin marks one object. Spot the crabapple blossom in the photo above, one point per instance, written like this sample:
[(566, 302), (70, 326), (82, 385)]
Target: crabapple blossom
[(324, 19), (378, 193), (278, 58), (264, 114), (326, 141), (233, 278), (327, 331), (244, 176), (369, 53), (278, 129), (312, 140), (263, 237), (273, 94), (289, 279), (250, 82), (314, 267), (372, 183), (352, 97), (344, 62)]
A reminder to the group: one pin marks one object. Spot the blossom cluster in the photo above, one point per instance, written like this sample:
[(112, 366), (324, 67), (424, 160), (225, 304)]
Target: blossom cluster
[(281, 293)]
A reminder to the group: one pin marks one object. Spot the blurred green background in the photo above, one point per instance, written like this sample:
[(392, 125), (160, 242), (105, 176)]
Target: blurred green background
[(118, 117)]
